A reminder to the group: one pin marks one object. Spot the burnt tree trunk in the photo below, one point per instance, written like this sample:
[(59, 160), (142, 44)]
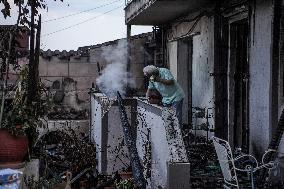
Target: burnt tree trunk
[(36, 57), (32, 71), (137, 169)]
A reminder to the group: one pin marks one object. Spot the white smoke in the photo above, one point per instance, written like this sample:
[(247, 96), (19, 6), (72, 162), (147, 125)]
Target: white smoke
[(115, 77)]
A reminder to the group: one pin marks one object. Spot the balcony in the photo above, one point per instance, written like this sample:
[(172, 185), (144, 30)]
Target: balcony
[(158, 12)]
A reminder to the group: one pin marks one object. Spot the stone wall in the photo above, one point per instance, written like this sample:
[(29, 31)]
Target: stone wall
[(83, 67)]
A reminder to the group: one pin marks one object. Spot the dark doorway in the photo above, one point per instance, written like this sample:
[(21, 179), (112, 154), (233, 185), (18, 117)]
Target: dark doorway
[(184, 76), (240, 68)]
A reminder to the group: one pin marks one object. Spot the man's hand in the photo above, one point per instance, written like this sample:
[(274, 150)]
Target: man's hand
[(152, 78), (157, 79)]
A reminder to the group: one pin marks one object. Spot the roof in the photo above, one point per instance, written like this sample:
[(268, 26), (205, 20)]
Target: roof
[(84, 51), (139, 36)]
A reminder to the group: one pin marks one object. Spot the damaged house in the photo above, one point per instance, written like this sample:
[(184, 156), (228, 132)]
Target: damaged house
[(228, 58)]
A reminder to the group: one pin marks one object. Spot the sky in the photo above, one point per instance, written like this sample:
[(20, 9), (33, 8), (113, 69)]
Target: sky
[(105, 22)]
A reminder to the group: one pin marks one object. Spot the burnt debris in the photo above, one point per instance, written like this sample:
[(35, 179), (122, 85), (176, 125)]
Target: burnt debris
[(130, 141), (65, 151)]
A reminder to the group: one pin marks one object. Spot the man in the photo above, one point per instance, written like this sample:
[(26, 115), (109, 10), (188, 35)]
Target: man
[(162, 80)]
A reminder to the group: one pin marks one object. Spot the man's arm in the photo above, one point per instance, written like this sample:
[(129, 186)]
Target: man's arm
[(165, 81), (148, 93), (149, 89)]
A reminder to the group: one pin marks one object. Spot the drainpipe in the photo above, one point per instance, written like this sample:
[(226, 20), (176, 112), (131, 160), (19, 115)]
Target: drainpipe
[(128, 59)]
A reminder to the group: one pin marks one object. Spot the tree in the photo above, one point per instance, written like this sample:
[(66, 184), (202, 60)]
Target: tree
[(28, 17)]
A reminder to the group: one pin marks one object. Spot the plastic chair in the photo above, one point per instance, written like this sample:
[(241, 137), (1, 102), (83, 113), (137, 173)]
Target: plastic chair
[(228, 164)]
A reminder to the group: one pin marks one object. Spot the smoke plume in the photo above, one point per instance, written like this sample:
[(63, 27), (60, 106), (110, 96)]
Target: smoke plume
[(114, 76)]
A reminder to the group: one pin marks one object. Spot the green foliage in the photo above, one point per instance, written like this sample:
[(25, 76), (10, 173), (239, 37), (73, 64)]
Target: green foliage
[(21, 117), (45, 183), (125, 184), (24, 9), (4, 47)]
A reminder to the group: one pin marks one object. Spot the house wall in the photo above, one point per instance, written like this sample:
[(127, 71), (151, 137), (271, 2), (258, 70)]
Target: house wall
[(158, 139), (202, 59), (202, 65), (166, 144), (159, 150), (260, 76), (260, 61), (107, 133), (81, 70), (172, 56), (96, 132), (281, 77)]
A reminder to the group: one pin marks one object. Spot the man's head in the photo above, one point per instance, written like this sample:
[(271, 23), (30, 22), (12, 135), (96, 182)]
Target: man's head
[(150, 70)]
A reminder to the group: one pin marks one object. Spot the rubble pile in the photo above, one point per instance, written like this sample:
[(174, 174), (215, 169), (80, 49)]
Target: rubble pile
[(61, 113), (64, 151), (204, 167)]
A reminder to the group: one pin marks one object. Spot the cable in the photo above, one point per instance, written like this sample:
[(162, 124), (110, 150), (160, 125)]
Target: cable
[(81, 22), (59, 18)]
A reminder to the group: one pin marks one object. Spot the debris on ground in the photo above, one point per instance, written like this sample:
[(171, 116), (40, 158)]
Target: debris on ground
[(130, 141), (205, 171), (62, 152), (61, 113)]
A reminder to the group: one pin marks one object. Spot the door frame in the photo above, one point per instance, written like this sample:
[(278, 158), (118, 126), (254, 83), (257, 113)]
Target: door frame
[(231, 84)]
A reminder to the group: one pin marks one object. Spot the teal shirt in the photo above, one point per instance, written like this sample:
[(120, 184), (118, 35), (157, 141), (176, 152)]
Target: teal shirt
[(170, 93)]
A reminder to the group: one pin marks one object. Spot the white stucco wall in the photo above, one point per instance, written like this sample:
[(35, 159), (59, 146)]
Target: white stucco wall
[(166, 143), (172, 56), (260, 77), (202, 60), (96, 129), (203, 65), (117, 152), (107, 133), (281, 105), (159, 151)]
